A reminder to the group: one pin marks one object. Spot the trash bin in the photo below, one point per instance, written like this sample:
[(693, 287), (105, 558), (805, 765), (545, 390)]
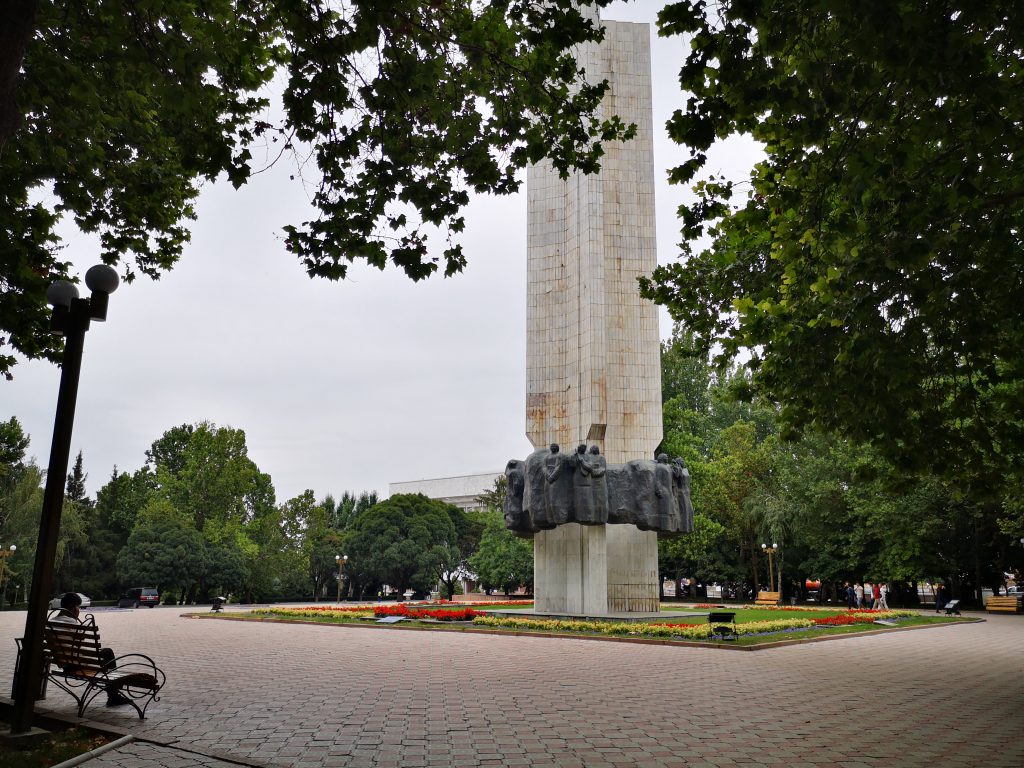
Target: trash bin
[(41, 694)]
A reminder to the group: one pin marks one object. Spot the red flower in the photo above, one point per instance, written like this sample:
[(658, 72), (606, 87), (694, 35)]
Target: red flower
[(845, 619), (440, 614)]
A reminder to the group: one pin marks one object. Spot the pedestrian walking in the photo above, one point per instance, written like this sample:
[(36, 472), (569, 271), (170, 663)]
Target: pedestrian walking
[(883, 605), (859, 591), (876, 597), (851, 596)]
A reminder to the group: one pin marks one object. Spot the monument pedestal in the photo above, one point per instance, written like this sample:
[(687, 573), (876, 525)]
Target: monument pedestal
[(595, 570)]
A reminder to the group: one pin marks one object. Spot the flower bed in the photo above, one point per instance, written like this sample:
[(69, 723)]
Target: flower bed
[(331, 608), (687, 631), (843, 611), (630, 629), (316, 612), (860, 616), (416, 612), (487, 604), (444, 611)]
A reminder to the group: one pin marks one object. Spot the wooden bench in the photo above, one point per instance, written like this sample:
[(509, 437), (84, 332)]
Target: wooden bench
[(723, 626), (768, 598), (71, 651), (997, 604)]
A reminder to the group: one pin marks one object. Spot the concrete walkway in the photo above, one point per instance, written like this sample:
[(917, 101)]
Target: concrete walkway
[(279, 695)]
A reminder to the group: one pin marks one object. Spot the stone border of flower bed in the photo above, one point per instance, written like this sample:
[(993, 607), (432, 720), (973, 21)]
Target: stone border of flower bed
[(477, 629)]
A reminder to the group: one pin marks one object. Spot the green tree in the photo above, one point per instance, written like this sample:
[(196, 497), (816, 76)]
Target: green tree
[(349, 507), (226, 572), (870, 275), (269, 558), (206, 473), (700, 399), (494, 499), (13, 444), (19, 492), (445, 564), (728, 445), (503, 561), (121, 498), (164, 550), (393, 542), (728, 486), (692, 554), (89, 563), (319, 545), (686, 374), (451, 559), (21, 506), (75, 488), (122, 112)]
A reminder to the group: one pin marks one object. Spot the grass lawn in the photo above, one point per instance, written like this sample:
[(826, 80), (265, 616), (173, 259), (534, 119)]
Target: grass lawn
[(56, 748), (755, 614), (838, 631)]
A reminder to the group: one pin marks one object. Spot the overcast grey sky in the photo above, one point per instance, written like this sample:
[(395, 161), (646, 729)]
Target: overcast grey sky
[(338, 386)]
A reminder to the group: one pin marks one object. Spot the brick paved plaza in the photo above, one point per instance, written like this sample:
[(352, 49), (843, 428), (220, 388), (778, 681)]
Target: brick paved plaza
[(291, 695)]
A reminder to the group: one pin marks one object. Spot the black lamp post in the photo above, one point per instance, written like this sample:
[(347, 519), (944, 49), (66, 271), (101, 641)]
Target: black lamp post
[(340, 560), (770, 550), (71, 317)]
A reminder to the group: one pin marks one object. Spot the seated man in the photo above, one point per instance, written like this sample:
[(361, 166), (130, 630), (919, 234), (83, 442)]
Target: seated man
[(70, 610)]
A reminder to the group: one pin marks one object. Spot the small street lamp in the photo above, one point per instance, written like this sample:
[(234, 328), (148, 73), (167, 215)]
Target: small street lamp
[(4, 554), (70, 318), (770, 551), (340, 560)]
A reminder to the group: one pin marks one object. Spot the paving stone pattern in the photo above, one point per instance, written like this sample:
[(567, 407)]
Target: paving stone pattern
[(297, 695), (143, 755)]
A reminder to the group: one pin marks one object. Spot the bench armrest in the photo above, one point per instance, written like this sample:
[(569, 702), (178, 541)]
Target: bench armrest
[(134, 664), (134, 660)]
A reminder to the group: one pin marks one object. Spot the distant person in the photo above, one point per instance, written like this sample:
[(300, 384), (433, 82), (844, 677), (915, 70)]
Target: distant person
[(851, 596), (941, 598), (883, 605), (70, 610), (859, 591), (876, 597)]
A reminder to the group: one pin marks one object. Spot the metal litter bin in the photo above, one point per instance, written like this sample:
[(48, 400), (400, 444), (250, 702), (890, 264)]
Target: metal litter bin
[(43, 679)]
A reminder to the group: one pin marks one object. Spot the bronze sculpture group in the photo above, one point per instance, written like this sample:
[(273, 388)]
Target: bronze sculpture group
[(551, 489)]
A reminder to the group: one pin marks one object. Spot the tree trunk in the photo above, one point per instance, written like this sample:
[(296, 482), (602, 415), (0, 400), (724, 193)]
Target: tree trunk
[(16, 30), (978, 596), (755, 569)]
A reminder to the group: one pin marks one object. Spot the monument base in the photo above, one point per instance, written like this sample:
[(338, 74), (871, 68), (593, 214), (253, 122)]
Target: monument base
[(595, 570)]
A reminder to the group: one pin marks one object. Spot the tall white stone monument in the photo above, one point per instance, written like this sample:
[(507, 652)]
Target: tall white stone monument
[(593, 371)]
